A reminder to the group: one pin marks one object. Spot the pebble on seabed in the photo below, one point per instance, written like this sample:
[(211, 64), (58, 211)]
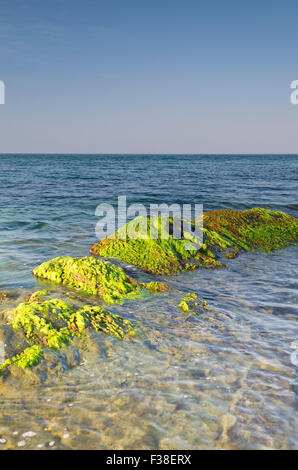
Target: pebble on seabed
[(22, 443), (29, 434), (51, 444), (3, 440), (65, 436)]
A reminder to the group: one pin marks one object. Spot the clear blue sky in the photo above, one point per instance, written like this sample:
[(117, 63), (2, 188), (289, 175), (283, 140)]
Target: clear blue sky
[(156, 76)]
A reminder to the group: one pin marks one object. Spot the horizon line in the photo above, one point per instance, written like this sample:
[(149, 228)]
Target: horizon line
[(142, 153)]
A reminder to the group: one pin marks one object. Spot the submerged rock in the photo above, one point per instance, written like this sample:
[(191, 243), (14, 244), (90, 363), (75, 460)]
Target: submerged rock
[(3, 297), (192, 304), (51, 325), (224, 231), (93, 276)]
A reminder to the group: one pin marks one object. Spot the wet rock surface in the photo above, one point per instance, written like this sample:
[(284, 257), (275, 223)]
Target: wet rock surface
[(224, 231)]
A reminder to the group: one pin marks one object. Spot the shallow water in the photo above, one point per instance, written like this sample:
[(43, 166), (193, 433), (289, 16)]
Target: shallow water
[(223, 379)]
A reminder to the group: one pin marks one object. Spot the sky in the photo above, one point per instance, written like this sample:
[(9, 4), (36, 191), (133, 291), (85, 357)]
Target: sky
[(148, 76)]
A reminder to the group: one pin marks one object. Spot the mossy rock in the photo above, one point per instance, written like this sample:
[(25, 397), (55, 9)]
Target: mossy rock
[(250, 229), (225, 231), (162, 255), (93, 276), (51, 325)]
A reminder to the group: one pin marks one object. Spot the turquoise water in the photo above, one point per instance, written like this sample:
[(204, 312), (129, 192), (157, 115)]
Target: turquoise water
[(224, 381)]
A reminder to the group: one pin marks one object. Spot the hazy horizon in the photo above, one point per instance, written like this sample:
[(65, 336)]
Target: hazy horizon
[(118, 154)]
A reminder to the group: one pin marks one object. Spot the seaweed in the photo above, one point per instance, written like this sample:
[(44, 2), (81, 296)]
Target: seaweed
[(52, 324), (227, 232)]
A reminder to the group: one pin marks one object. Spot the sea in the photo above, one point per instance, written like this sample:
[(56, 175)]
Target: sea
[(223, 380)]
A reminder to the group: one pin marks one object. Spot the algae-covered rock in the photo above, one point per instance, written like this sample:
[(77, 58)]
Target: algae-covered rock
[(28, 358), (52, 324), (251, 229), (192, 304), (226, 231), (102, 320), (91, 275), (46, 323), (163, 255)]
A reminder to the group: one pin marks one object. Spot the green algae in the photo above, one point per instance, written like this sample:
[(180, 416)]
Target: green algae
[(224, 231), (156, 286), (52, 324), (90, 275), (45, 322), (37, 295), (102, 320), (28, 358), (95, 277), (252, 229), (191, 303), (163, 255)]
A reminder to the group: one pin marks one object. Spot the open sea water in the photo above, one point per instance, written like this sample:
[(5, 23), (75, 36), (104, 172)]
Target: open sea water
[(227, 380)]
